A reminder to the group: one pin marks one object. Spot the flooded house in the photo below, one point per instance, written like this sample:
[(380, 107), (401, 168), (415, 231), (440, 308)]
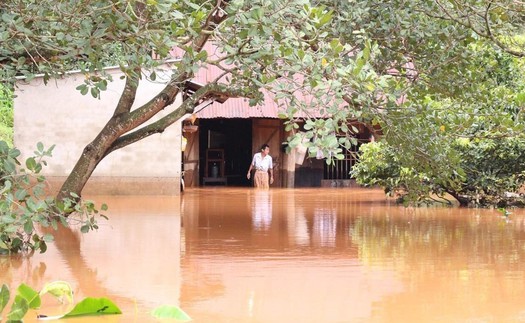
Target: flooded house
[(221, 139), (214, 146)]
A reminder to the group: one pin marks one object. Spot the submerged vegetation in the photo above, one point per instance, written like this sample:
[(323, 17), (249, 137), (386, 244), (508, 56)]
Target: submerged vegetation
[(25, 209), (27, 298)]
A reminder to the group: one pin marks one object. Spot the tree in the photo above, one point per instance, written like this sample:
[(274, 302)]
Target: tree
[(500, 22), (461, 85), (283, 46), (372, 61)]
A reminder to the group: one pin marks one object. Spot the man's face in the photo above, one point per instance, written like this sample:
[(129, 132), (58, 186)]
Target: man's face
[(266, 150)]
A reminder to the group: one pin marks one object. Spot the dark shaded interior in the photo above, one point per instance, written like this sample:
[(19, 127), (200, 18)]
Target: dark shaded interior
[(234, 136)]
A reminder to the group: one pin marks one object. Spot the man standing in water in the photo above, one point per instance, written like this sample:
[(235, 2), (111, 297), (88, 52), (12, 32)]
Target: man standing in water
[(262, 162)]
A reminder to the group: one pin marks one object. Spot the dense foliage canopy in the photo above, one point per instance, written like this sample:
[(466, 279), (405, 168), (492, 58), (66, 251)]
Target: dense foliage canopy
[(411, 67)]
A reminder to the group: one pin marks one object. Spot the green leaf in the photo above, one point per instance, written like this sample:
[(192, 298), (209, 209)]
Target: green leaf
[(173, 312), (30, 295), (20, 194), (28, 227), (94, 306), (18, 309), (59, 289), (4, 297)]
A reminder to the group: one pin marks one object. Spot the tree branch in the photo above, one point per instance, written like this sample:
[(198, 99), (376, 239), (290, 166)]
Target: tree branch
[(127, 97), (187, 107)]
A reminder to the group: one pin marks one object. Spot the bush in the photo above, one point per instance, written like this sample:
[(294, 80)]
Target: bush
[(491, 173), (24, 207)]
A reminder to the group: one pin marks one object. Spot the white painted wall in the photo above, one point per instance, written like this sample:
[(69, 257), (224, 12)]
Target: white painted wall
[(58, 114)]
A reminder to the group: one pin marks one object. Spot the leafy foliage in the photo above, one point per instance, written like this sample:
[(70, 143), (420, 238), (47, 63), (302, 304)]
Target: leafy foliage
[(94, 306), (491, 173), (174, 312), (24, 206), (6, 114), (419, 70)]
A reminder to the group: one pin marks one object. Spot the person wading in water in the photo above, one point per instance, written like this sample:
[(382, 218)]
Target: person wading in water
[(262, 163)]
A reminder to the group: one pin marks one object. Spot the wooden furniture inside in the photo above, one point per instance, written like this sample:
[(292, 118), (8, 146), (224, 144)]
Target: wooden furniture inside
[(215, 163)]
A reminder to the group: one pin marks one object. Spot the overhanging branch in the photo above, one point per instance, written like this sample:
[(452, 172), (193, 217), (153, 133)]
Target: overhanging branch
[(210, 91)]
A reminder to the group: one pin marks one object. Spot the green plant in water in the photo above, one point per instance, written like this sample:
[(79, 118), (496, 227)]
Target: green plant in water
[(504, 212), (169, 311), (24, 206), (27, 298)]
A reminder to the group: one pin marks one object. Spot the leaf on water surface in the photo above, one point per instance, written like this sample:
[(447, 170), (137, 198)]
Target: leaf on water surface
[(59, 289), (168, 311), (94, 306)]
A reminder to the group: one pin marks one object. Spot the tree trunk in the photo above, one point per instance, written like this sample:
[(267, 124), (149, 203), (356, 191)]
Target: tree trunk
[(121, 129), (86, 164), (95, 151)]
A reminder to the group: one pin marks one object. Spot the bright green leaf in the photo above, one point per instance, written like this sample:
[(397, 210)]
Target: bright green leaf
[(94, 306), (30, 295)]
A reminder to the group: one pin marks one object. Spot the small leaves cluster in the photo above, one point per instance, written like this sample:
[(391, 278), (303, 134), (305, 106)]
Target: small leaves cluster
[(25, 208)]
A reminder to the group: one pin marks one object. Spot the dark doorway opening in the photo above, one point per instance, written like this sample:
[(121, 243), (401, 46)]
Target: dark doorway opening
[(225, 151)]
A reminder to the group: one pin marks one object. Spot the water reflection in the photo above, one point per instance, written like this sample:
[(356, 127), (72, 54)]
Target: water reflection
[(261, 210), (242, 255), (324, 230)]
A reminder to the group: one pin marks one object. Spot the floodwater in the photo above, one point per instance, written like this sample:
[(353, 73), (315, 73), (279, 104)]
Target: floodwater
[(303, 255)]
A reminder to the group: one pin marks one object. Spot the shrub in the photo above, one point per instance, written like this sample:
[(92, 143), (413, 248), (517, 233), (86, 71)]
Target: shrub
[(24, 207), (491, 173)]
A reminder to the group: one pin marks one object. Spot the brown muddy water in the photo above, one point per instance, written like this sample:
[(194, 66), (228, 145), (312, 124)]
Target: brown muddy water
[(303, 255)]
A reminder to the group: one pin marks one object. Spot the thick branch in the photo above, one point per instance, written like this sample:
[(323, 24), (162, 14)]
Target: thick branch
[(128, 95), (167, 96), (187, 107)]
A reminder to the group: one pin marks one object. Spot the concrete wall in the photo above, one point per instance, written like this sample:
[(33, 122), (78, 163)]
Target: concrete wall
[(58, 114)]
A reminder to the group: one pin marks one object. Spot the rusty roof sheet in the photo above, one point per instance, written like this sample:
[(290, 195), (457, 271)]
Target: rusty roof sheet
[(239, 108), (233, 107)]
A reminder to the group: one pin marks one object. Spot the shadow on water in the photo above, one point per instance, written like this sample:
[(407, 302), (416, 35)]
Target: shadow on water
[(304, 255)]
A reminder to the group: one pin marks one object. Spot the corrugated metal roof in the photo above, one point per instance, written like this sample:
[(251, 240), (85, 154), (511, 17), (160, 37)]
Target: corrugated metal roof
[(233, 107), (239, 108)]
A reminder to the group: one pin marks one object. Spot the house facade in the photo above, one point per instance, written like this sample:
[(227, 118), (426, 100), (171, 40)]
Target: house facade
[(221, 140)]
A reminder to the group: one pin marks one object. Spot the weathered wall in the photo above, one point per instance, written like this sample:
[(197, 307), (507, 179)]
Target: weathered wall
[(58, 114)]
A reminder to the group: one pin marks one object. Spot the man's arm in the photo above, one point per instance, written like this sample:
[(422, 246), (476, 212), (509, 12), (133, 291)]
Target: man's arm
[(249, 170)]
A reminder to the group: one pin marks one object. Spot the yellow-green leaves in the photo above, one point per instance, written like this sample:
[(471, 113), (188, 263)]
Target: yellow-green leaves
[(170, 312), (60, 289)]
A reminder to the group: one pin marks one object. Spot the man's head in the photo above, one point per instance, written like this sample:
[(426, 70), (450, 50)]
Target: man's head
[(265, 149)]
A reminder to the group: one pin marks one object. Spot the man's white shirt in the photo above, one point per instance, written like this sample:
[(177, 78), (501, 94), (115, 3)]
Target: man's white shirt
[(261, 163)]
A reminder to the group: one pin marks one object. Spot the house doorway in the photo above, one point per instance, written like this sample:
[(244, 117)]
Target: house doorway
[(225, 151)]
